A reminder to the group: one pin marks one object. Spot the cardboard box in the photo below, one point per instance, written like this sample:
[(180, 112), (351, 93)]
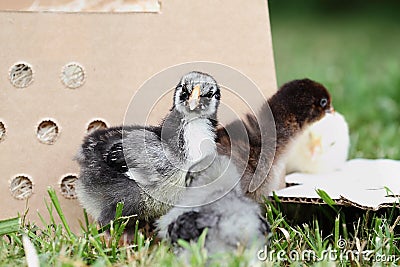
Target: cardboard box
[(60, 71)]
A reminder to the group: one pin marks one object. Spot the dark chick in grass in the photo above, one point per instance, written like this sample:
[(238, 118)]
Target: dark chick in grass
[(145, 167), (295, 106), (214, 200)]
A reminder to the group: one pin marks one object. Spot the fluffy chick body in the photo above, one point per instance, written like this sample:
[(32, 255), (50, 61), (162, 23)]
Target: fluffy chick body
[(214, 200), (323, 147), (145, 167), (263, 148)]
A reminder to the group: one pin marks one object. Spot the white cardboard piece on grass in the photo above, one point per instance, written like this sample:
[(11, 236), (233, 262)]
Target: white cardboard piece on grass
[(364, 183)]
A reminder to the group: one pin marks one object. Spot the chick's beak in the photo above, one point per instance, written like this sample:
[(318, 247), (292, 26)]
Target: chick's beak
[(194, 97), (331, 110)]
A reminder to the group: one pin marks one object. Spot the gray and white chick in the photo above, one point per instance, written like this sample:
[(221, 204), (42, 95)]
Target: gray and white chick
[(214, 200), (145, 166)]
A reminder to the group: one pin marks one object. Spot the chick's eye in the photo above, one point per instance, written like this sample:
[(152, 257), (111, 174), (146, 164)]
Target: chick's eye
[(209, 94), (323, 102), (184, 90), (183, 95)]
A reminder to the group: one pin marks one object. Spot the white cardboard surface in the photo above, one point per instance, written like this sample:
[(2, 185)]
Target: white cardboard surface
[(361, 182)]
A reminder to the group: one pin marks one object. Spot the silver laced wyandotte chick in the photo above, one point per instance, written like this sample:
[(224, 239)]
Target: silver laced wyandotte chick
[(214, 200), (144, 166), (323, 147), (295, 106)]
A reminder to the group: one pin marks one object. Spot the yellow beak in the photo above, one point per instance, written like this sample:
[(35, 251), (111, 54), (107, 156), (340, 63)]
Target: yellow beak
[(331, 110), (194, 97)]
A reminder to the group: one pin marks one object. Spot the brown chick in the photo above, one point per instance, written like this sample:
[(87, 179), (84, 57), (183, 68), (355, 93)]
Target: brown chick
[(259, 144)]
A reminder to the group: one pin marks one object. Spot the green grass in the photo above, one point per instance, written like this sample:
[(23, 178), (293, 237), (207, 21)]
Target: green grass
[(356, 55), (296, 245)]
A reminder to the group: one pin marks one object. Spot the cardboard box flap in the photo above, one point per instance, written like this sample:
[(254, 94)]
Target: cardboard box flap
[(369, 184), (115, 6), (63, 72)]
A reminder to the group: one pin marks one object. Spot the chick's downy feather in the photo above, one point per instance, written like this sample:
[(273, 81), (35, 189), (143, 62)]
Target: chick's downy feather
[(323, 147), (214, 200)]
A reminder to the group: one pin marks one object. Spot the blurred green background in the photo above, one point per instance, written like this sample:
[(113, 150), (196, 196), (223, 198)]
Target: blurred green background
[(353, 48)]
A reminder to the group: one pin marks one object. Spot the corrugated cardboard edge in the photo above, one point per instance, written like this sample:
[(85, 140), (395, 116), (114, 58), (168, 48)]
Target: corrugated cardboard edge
[(340, 202), (363, 183)]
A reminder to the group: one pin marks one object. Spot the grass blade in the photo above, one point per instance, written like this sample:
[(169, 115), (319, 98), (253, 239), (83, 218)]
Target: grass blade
[(9, 226), (99, 249), (326, 198), (56, 203), (336, 232), (31, 255)]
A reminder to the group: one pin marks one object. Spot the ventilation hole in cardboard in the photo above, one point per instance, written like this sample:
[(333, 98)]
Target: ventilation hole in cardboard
[(47, 132), (2, 131), (73, 75), (68, 186), (96, 125), (21, 187), (21, 74)]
